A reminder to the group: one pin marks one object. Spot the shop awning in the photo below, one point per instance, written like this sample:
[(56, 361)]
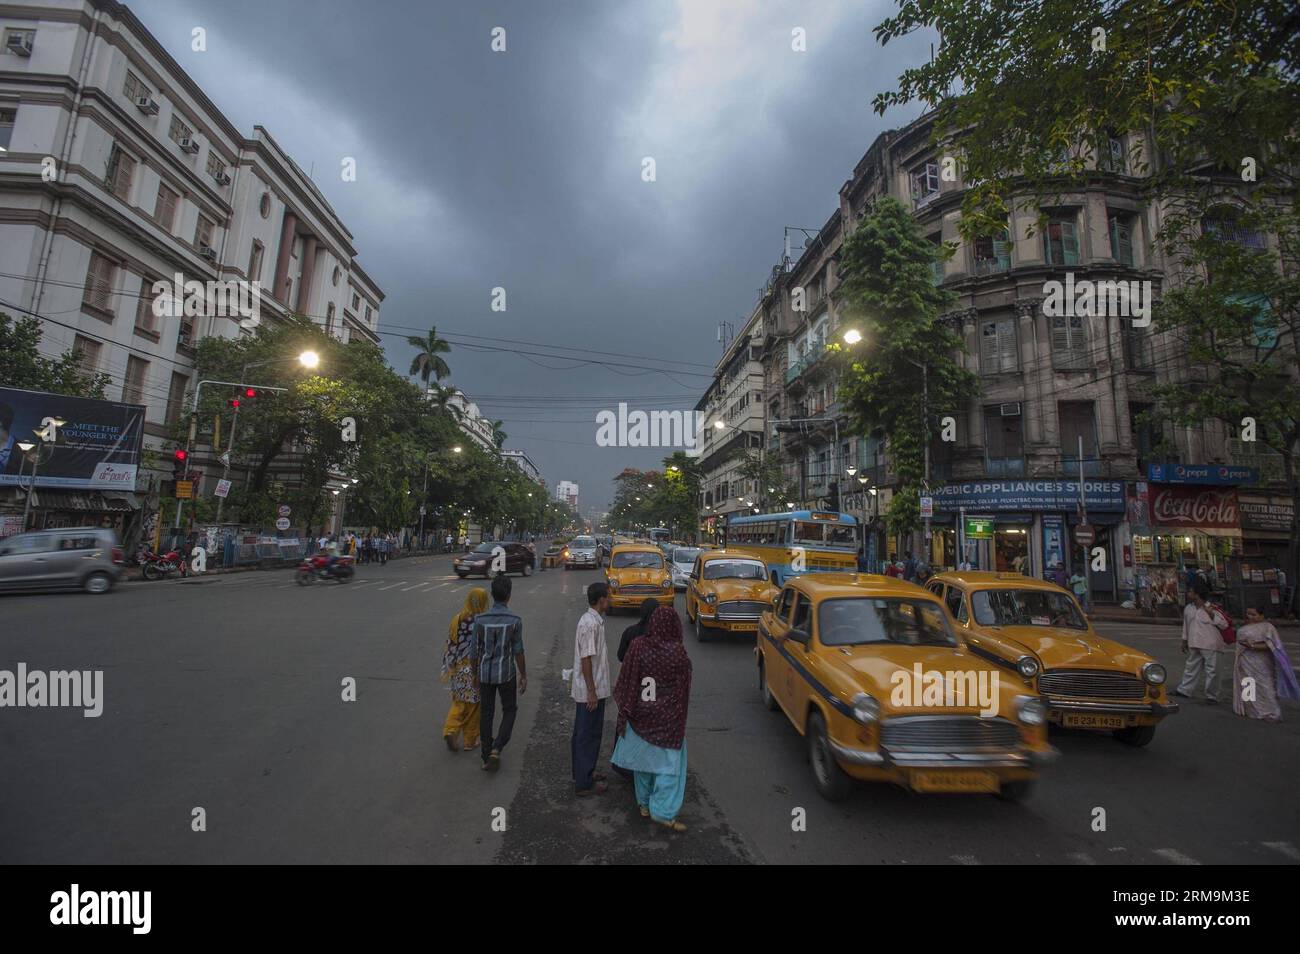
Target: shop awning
[(84, 501)]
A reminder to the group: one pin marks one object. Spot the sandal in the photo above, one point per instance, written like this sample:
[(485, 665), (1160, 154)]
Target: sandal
[(670, 825), (451, 743), (645, 812)]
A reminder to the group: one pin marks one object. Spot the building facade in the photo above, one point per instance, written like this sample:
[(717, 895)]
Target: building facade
[(566, 491)]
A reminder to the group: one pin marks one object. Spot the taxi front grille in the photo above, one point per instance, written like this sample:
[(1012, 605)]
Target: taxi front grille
[(1091, 684), (741, 609), (638, 588), (948, 734)]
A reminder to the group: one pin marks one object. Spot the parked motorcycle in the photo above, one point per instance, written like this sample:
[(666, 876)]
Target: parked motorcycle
[(318, 567), (154, 566)]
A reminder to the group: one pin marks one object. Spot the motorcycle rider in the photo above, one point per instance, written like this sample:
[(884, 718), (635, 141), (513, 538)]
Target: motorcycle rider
[(330, 550)]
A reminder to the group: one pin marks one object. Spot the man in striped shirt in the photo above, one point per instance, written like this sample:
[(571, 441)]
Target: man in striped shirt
[(498, 652)]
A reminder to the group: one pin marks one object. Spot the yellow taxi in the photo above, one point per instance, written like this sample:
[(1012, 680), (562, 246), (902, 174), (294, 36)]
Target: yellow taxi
[(1036, 629), (727, 590), (637, 571), (871, 671)]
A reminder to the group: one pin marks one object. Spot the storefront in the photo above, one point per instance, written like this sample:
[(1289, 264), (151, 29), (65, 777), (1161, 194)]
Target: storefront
[(1260, 577), (1024, 527), (1189, 528)]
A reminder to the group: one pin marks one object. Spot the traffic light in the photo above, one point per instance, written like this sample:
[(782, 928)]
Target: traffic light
[(233, 403), (250, 393), (178, 464)]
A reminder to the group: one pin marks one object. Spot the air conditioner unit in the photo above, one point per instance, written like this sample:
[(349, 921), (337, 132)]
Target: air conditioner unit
[(1010, 410), (19, 43), (185, 340), (146, 105), (208, 252), (222, 178), (189, 145)]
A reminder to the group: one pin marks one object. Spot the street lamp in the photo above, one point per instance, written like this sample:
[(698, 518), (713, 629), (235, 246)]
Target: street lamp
[(852, 336), (456, 449)]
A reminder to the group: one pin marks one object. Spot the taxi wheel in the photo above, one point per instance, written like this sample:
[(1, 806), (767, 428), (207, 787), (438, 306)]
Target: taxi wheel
[(1136, 735), (769, 700), (1015, 791), (701, 631), (831, 781)]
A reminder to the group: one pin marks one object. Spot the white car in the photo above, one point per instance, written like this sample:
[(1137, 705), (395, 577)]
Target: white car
[(680, 562)]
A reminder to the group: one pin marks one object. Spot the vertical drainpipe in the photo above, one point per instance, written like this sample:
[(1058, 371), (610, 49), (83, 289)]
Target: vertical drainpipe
[(69, 137)]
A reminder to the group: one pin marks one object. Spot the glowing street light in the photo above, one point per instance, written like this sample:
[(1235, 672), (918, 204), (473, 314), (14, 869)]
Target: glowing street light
[(309, 359), (456, 449), (852, 336)]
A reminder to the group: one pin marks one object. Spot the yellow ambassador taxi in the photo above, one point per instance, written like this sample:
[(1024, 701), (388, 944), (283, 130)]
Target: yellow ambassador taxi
[(872, 672), (637, 571), (727, 590), (1036, 628)]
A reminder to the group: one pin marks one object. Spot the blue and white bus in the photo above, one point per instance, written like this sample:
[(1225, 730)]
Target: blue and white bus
[(798, 541)]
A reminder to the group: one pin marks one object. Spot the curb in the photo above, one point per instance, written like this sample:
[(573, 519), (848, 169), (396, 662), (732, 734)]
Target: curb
[(1152, 621)]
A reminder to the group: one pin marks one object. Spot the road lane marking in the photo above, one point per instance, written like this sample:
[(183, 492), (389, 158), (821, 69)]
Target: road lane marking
[(1081, 858), (965, 859), (1284, 848), (1176, 857), (391, 585), (441, 585), (407, 589)]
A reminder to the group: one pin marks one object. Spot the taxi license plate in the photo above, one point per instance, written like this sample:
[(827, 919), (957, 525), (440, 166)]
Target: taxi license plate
[(1074, 720), (958, 780), (735, 626)]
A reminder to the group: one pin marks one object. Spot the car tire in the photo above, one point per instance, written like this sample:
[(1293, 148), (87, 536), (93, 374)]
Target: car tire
[(769, 700), (97, 583), (701, 631), (1016, 791), (461, 575), (1136, 735), (831, 782)]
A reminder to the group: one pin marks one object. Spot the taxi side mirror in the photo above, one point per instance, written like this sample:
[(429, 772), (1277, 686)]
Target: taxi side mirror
[(799, 636)]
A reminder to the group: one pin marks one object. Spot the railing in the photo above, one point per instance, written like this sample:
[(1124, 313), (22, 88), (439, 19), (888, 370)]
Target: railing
[(1251, 454), (1092, 467), (814, 354), (992, 266), (1006, 466)]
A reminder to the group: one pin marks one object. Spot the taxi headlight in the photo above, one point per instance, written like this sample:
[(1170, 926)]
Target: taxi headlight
[(866, 709), (613, 583), (667, 583), (711, 598), (1027, 666), (1154, 674), (1030, 710)]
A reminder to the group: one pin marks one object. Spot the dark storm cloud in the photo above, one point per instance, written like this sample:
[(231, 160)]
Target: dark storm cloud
[(523, 169)]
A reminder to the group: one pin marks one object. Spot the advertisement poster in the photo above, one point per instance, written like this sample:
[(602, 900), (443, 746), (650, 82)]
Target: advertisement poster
[(1053, 541), (97, 448)]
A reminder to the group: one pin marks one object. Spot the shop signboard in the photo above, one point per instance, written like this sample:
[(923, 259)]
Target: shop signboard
[(1194, 508), (1018, 496), (1266, 513), (97, 447), (979, 528), (1218, 474)]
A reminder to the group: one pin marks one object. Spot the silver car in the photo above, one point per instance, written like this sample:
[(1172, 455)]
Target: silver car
[(680, 562), (84, 558), (583, 551)]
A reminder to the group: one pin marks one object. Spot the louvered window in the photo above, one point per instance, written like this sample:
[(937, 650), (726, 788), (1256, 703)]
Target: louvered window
[(1069, 342), (998, 346), (98, 292), (1061, 242), (1121, 239)]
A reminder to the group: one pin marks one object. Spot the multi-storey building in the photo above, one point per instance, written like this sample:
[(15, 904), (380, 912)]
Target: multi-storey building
[(525, 463), (1061, 395), (119, 172), (471, 421), (566, 491), (732, 414)]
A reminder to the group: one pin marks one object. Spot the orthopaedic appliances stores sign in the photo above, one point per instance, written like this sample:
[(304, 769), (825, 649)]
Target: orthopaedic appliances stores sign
[(1007, 496), (1194, 507)]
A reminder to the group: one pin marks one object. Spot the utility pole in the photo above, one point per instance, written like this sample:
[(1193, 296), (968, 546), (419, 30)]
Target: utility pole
[(925, 430)]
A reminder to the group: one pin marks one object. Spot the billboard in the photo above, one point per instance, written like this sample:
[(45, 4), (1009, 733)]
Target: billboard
[(98, 446)]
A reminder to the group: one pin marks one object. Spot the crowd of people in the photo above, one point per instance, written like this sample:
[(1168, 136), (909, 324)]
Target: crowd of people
[(484, 663)]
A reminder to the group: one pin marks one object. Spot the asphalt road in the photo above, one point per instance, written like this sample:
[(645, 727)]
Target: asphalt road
[(227, 695)]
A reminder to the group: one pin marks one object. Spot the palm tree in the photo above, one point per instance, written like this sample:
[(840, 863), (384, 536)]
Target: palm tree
[(498, 432), (427, 362)]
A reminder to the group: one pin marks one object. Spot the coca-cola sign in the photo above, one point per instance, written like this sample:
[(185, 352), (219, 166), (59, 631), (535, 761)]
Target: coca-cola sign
[(1194, 507)]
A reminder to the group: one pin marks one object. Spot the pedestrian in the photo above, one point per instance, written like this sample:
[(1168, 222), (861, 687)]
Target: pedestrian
[(590, 688), (447, 544), (498, 653), (1203, 625), (381, 544), (1079, 584), (922, 573), (653, 693), (458, 670), (909, 567), (648, 606), (1262, 664), (1057, 575)]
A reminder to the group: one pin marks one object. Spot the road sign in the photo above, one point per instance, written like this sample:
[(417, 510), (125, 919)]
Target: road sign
[(184, 490), (979, 528), (1084, 535), (422, 510), (225, 460), (223, 488), (282, 523), (283, 510), (927, 507)]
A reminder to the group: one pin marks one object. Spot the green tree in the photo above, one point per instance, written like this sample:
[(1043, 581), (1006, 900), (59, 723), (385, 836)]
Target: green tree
[(775, 490), (1201, 99), (428, 361), (903, 372), (21, 365)]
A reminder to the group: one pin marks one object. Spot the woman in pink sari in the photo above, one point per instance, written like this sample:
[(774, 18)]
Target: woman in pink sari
[(1263, 666)]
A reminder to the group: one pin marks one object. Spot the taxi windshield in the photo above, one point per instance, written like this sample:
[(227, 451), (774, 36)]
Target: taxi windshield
[(640, 559), (735, 570), (858, 621), (1025, 608)]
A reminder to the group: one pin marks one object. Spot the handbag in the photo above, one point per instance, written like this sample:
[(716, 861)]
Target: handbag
[(1229, 633)]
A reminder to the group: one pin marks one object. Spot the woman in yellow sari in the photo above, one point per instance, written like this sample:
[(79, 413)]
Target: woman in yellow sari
[(458, 670)]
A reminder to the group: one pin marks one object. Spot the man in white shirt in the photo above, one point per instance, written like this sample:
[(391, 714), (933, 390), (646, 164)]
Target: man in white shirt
[(590, 687), (1202, 641)]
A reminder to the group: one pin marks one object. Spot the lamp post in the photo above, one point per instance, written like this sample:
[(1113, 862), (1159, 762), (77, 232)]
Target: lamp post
[(25, 447)]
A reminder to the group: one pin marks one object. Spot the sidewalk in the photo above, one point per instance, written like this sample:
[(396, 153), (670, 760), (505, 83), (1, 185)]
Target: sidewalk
[(1117, 614), (132, 574)]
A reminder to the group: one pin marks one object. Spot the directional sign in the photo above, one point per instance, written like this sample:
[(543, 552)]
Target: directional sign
[(225, 460), (1084, 535), (223, 488)]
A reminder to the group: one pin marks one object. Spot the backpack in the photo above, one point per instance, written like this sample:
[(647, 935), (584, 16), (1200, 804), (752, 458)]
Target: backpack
[(1229, 634)]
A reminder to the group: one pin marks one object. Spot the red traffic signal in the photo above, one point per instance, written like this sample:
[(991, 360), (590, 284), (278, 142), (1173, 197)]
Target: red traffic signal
[(233, 402), (250, 392), (179, 456)]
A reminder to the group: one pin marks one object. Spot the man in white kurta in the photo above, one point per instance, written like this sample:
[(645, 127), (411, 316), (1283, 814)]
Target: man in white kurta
[(1202, 641)]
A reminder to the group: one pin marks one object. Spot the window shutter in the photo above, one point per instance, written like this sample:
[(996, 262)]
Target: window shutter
[(989, 347), (1002, 252), (1007, 344), (1060, 336), (1069, 243)]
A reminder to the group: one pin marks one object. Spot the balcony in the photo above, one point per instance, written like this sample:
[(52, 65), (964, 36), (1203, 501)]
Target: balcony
[(816, 351), (1009, 467), (1092, 467), (1254, 454)]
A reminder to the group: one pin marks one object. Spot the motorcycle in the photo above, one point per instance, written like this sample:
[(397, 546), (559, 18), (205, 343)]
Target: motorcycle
[(318, 567), (156, 567)]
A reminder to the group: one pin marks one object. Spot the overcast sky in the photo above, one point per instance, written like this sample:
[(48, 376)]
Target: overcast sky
[(522, 169)]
